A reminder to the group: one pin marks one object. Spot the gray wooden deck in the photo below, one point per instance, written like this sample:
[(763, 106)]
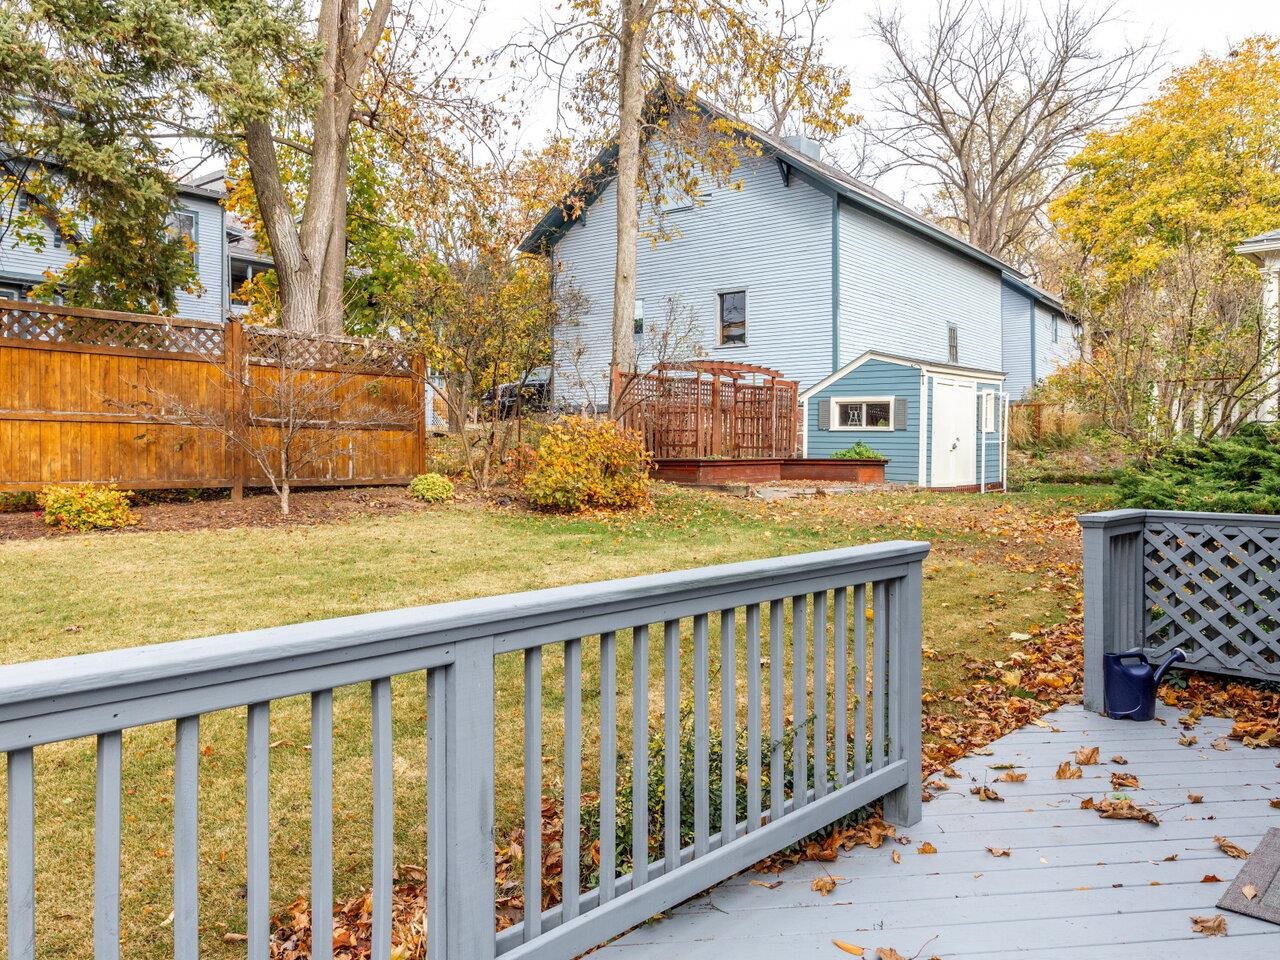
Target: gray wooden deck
[(1075, 885)]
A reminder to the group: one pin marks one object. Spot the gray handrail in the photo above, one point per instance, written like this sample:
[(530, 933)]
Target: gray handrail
[(857, 608)]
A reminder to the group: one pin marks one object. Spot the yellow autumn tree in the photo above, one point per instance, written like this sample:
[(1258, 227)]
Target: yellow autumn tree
[(1180, 344)]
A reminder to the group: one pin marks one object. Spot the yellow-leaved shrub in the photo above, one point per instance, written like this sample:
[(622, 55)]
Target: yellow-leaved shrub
[(584, 464)]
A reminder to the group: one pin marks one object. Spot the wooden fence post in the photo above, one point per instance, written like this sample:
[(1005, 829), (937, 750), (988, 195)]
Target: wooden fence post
[(419, 366), (233, 357)]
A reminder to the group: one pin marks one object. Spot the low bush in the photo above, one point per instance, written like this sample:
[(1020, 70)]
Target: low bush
[(18, 502), (86, 507), (859, 451), (1237, 474), (584, 464), (431, 488)]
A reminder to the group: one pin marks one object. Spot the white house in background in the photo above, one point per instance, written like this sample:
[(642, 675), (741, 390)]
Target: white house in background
[(225, 255), (801, 268)]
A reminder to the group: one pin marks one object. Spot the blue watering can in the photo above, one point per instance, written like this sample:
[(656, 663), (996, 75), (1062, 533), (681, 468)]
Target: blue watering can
[(1130, 682)]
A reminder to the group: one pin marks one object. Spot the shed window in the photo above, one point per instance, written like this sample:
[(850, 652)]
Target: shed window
[(862, 413), (733, 318), (953, 343), (988, 412)]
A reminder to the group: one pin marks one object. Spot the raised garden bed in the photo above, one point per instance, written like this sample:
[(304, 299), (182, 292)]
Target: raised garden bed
[(765, 469)]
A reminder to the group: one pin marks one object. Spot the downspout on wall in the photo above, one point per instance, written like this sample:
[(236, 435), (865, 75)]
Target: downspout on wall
[(1031, 305)]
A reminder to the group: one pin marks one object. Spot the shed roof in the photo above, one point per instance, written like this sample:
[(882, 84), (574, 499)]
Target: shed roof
[(927, 365)]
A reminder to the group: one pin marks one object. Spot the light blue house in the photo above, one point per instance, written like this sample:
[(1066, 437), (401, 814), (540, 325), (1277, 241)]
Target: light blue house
[(798, 267), (940, 425), (224, 256)]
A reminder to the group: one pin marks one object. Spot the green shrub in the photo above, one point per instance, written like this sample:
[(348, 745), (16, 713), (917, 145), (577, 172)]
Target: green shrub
[(859, 451), (86, 507), (431, 488), (585, 464), (17, 502), (1238, 474)]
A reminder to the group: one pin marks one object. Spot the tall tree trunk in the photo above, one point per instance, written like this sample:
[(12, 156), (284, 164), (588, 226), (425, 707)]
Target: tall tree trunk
[(635, 16)]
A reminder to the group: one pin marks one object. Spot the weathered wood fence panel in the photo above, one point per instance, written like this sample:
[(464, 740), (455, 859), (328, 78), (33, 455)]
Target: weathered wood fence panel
[(93, 395), (1205, 583), (856, 610)]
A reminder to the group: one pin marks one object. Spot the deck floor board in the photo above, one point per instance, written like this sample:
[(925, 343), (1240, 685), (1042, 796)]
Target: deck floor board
[(1073, 882)]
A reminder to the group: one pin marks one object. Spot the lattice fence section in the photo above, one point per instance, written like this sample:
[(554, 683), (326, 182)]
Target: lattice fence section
[(271, 346), (97, 328), (1213, 590)]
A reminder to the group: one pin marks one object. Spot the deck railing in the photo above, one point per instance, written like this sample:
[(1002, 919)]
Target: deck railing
[(1205, 583), (851, 663)]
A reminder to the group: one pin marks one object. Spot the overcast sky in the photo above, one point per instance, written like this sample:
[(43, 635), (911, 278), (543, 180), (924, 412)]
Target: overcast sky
[(1189, 29)]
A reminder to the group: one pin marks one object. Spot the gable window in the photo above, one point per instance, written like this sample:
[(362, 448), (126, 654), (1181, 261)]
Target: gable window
[(953, 343), (733, 318), (183, 224), (638, 316), (1054, 328), (862, 413), (988, 412)]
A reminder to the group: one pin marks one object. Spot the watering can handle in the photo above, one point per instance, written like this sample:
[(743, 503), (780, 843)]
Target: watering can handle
[(1134, 654)]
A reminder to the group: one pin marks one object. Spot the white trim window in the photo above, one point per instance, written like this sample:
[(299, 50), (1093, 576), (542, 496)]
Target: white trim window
[(733, 318), (862, 413), (988, 412)]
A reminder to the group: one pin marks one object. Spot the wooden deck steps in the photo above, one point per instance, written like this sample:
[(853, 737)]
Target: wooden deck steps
[(1074, 885)]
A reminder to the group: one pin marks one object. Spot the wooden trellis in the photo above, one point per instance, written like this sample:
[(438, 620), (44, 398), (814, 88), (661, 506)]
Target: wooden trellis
[(710, 408)]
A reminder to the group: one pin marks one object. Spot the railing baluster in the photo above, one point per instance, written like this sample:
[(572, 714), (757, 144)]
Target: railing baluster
[(671, 748), (571, 844), (532, 793), (21, 829), (860, 681), (701, 737), (820, 768), (437, 812), (879, 668), (840, 636), (728, 725), (753, 717), (257, 832), (799, 700), (322, 825), (608, 764), (106, 848), (186, 841), (383, 817), (776, 670), (639, 755)]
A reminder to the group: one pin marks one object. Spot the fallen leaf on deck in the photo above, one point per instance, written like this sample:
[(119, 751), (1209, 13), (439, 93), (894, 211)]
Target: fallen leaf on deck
[(1067, 772), (1221, 744), (950, 772), (1275, 803), (1195, 798), (1249, 891), (1210, 878), (1231, 849), (888, 953), (1124, 781), (1117, 759), (926, 847), (1187, 741), (1170, 858), (767, 884), (896, 856), (1191, 719), (1086, 756), (982, 751), (849, 948), (825, 885), (1215, 926), (1011, 776), (1111, 809), (999, 851), (986, 793)]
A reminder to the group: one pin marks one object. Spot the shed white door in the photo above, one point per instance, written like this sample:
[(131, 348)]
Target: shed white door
[(954, 442)]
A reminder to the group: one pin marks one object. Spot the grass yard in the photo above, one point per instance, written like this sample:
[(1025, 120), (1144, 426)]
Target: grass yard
[(999, 566)]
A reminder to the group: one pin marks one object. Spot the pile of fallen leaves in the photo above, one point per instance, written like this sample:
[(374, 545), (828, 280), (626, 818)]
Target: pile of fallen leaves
[(1255, 708), (353, 923)]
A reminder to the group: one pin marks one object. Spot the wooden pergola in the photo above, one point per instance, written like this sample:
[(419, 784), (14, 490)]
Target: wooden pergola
[(711, 408)]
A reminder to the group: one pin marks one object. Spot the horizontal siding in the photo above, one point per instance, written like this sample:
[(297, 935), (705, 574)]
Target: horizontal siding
[(1016, 339), (899, 291), (875, 378), (1051, 355), (771, 240)]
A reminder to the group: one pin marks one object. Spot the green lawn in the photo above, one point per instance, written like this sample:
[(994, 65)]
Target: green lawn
[(999, 565)]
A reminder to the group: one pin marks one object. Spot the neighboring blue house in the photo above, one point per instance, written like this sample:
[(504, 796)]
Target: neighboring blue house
[(225, 256), (940, 425), (799, 267)]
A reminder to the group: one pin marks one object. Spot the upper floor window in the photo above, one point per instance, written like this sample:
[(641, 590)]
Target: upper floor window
[(1054, 328), (733, 318), (184, 225), (953, 343), (638, 316)]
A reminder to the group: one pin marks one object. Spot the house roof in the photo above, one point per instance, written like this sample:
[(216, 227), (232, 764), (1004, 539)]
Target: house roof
[(548, 230), (1263, 243), (1038, 294), (925, 365)]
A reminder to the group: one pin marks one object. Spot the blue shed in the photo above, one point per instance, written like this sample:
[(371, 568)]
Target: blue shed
[(941, 425)]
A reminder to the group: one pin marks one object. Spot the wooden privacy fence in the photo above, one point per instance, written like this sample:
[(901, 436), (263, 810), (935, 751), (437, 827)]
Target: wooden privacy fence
[(849, 673), (709, 408), (1205, 583), (143, 401)]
